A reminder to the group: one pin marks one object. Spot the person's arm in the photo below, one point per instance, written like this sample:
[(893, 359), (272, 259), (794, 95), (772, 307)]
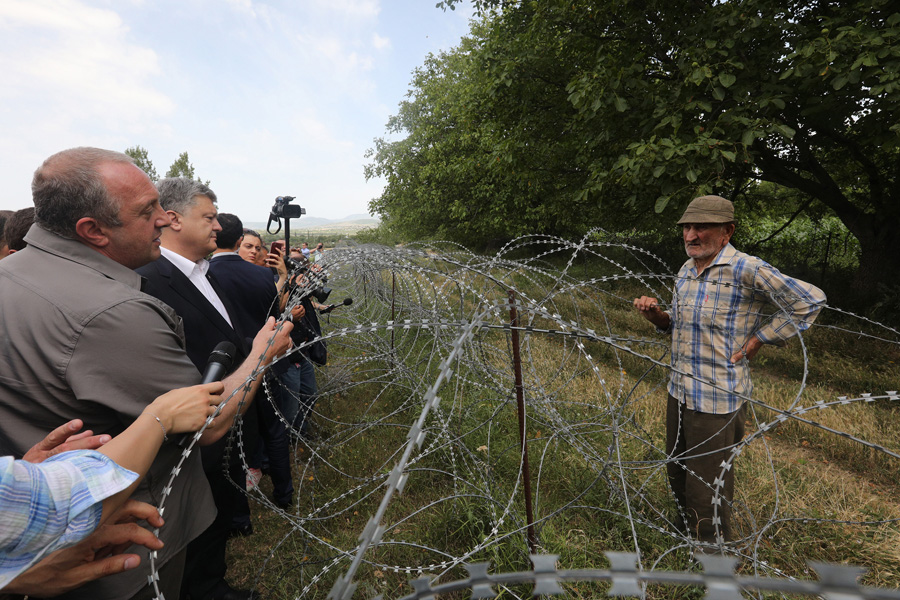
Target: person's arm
[(178, 411), (98, 555), (748, 349), (271, 341), (798, 304), (285, 292), (650, 310), (69, 494), (275, 260)]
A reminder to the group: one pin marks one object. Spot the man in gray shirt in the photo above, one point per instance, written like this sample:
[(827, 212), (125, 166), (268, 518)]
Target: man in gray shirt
[(83, 341)]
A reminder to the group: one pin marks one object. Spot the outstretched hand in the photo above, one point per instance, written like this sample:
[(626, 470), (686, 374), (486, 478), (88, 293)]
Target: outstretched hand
[(64, 438)]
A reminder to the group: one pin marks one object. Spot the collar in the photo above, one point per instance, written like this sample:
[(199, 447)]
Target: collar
[(185, 265), (218, 254), (724, 257), (82, 254)]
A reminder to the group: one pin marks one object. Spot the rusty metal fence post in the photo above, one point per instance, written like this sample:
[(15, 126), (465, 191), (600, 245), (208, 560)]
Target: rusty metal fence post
[(520, 404)]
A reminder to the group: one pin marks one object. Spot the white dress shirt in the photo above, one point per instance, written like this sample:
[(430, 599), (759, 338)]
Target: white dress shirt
[(196, 272)]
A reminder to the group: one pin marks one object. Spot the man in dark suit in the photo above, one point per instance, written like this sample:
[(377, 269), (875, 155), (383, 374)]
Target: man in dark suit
[(250, 288), (180, 279), (255, 294)]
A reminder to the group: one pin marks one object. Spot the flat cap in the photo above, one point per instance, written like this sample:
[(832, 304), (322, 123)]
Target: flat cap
[(708, 209)]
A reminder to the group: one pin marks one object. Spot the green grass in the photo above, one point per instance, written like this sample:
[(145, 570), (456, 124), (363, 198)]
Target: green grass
[(463, 496)]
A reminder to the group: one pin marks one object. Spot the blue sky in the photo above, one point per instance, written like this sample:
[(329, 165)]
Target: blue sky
[(268, 97)]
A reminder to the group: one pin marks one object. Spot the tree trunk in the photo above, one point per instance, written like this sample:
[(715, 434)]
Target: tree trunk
[(879, 267)]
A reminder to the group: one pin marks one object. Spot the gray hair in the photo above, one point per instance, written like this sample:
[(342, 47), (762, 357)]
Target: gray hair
[(68, 187), (179, 193)]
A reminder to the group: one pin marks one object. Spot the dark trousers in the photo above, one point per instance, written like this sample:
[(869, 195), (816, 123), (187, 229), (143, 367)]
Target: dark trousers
[(204, 569), (696, 446), (299, 388), (276, 443)]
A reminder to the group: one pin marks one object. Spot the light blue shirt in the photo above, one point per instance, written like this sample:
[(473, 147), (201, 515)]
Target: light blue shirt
[(53, 504)]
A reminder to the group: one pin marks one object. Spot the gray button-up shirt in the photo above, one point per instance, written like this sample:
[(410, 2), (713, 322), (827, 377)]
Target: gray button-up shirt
[(78, 339)]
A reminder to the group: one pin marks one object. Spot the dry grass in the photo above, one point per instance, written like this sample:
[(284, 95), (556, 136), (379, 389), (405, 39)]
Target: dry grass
[(803, 493)]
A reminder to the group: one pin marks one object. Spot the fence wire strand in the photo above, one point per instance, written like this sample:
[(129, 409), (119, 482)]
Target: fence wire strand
[(413, 440)]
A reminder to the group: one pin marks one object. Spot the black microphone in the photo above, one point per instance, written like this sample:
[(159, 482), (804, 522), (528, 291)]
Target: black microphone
[(219, 362), (331, 307)]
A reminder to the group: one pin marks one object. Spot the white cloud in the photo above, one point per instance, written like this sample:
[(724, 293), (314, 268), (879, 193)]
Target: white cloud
[(55, 14), (379, 42), (245, 6), (53, 50), (356, 9), (333, 55)]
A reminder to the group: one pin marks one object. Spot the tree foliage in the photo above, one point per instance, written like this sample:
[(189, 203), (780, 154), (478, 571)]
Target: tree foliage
[(142, 160), (182, 167), (560, 115)]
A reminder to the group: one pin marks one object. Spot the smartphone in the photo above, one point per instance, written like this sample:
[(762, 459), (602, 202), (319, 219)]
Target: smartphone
[(278, 245)]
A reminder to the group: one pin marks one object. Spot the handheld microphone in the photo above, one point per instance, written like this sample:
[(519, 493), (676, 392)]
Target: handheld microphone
[(331, 307), (218, 364)]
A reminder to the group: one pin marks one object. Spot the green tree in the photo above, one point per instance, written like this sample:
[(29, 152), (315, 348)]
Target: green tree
[(483, 159), (182, 167), (440, 179), (668, 99), (142, 160)]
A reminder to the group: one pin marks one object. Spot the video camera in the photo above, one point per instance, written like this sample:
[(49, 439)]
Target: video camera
[(283, 209)]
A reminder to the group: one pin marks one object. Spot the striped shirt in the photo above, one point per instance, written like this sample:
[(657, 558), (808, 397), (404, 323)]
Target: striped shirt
[(715, 312), (53, 504)]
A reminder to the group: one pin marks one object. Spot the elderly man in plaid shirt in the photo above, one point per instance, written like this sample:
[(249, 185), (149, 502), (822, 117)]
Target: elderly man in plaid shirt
[(727, 304)]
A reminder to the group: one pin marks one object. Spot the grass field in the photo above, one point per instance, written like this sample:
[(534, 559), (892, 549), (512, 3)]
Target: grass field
[(595, 436)]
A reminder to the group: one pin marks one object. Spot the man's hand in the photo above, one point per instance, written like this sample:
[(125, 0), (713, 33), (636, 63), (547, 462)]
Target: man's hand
[(650, 310), (280, 337), (98, 555), (63, 439), (748, 349)]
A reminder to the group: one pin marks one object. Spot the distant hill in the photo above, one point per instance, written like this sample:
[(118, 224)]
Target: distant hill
[(349, 224)]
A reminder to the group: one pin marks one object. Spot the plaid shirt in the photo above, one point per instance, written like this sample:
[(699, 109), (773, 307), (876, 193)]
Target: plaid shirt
[(51, 505), (713, 314)]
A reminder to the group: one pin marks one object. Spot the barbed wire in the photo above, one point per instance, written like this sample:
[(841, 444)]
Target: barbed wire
[(425, 352)]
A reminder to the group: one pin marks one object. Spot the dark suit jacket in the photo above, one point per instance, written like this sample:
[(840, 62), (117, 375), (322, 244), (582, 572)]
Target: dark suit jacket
[(249, 287), (204, 327)]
